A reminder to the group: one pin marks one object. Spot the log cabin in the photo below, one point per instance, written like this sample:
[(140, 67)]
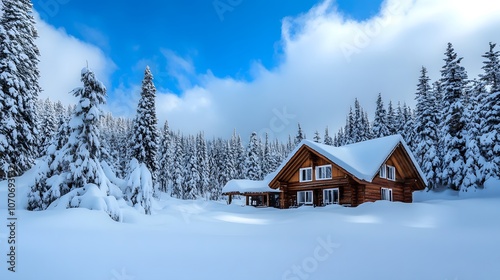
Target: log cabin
[(317, 175)]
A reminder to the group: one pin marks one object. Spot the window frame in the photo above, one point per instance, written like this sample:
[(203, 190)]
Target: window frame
[(306, 202), (301, 179), (317, 173), (391, 173), (333, 190), (386, 191), (382, 173)]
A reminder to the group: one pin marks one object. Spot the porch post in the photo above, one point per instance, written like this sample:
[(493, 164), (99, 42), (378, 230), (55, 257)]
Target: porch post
[(246, 197)]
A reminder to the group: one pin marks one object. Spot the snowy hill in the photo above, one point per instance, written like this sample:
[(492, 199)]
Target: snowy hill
[(445, 238)]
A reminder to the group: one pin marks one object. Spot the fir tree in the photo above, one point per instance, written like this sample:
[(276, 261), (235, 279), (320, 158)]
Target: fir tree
[(426, 128), (177, 167), (145, 137), (252, 163), (489, 141), (328, 139), (316, 137), (19, 59), (380, 126), (300, 135), (164, 158), (453, 80)]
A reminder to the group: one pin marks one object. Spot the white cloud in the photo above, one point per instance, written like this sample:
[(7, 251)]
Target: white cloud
[(61, 59), (329, 60)]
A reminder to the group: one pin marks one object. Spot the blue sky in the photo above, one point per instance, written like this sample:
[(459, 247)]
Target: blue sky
[(223, 36), (258, 66)]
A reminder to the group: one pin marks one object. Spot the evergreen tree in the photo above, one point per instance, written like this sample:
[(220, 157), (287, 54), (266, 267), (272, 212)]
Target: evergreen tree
[(316, 137), (300, 135), (202, 164), (391, 119), (165, 158), (252, 163), (426, 129), (75, 169), (473, 177), (145, 133), (19, 57), (190, 173), (328, 139), (453, 81), (489, 141), (177, 167), (380, 126)]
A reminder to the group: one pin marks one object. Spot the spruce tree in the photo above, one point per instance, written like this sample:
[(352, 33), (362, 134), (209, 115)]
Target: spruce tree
[(253, 169), (19, 57), (145, 134), (489, 141), (380, 126), (165, 158), (473, 177), (453, 81), (300, 135), (328, 139), (426, 130), (316, 137)]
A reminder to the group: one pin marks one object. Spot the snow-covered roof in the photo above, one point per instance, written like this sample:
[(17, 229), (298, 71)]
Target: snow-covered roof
[(247, 186), (362, 159)]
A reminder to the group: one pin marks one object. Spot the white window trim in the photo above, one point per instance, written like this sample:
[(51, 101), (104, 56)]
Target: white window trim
[(387, 190), (333, 189), (383, 172), (391, 173), (323, 166), (300, 174), (305, 198)]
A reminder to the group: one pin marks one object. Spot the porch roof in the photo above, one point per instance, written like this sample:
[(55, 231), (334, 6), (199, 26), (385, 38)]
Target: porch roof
[(247, 186)]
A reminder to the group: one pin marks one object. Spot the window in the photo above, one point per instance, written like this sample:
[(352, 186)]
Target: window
[(305, 198), (331, 196), (383, 171), (391, 173), (324, 172), (306, 174), (386, 194), (387, 172)]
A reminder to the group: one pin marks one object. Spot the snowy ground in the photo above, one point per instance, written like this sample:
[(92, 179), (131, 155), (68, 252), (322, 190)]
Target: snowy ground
[(439, 237)]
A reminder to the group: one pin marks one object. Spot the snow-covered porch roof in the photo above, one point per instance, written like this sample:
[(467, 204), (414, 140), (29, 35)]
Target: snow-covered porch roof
[(247, 186)]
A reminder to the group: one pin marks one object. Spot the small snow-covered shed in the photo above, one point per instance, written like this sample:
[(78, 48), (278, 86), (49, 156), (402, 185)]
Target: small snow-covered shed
[(257, 193)]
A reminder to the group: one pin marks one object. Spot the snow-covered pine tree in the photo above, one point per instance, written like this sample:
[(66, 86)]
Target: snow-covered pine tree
[(48, 125), (300, 135), (19, 57), (267, 159), (202, 164), (426, 128), (190, 173), (177, 167), (145, 133), (380, 126), (238, 156), (473, 177), (367, 127), (358, 133), (316, 137), (74, 170), (328, 139), (453, 82), (164, 158), (489, 141), (391, 119), (253, 169)]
